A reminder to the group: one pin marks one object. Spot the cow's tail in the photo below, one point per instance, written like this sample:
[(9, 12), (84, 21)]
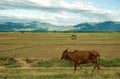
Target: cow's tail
[(99, 62), (99, 59)]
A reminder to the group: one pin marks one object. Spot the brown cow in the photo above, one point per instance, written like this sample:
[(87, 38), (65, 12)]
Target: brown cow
[(81, 57)]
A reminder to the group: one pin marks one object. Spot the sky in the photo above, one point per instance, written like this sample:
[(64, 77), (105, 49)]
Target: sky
[(60, 12)]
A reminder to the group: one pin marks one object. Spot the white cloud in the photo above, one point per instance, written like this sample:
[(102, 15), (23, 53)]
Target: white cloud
[(59, 12)]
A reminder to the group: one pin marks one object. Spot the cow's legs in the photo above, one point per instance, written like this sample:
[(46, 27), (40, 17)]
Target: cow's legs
[(94, 68), (75, 67), (98, 67), (81, 67), (74, 64)]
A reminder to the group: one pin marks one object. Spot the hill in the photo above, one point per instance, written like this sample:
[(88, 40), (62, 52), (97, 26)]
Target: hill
[(44, 27), (30, 26), (101, 26)]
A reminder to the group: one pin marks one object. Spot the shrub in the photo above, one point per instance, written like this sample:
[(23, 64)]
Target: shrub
[(11, 63)]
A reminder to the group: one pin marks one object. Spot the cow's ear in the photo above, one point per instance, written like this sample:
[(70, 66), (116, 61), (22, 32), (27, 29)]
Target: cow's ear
[(66, 50)]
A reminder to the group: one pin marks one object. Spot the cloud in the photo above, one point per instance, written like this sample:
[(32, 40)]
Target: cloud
[(17, 17), (47, 5), (59, 12)]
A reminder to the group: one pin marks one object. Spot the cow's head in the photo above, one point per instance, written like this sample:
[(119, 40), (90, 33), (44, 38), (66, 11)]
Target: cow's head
[(64, 54)]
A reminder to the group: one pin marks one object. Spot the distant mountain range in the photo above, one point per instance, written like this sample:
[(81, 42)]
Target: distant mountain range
[(44, 27), (101, 26)]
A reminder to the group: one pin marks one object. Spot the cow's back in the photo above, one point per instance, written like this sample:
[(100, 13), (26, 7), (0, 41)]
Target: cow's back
[(81, 56), (95, 53)]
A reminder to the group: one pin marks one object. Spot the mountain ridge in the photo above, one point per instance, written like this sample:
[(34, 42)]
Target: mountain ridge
[(44, 27), (100, 26)]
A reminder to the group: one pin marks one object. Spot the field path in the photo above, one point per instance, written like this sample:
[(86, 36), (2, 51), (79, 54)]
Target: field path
[(23, 63)]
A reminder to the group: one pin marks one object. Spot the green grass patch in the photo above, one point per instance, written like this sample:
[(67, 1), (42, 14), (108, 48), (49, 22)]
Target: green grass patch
[(52, 63), (110, 62), (104, 62), (45, 64)]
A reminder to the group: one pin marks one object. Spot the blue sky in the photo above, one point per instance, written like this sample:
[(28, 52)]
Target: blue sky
[(107, 4), (60, 12)]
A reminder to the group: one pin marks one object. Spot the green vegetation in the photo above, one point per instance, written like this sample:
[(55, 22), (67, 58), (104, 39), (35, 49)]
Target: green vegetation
[(110, 62), (9, 62), (104, 62), (52, 63), (62, 63)]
